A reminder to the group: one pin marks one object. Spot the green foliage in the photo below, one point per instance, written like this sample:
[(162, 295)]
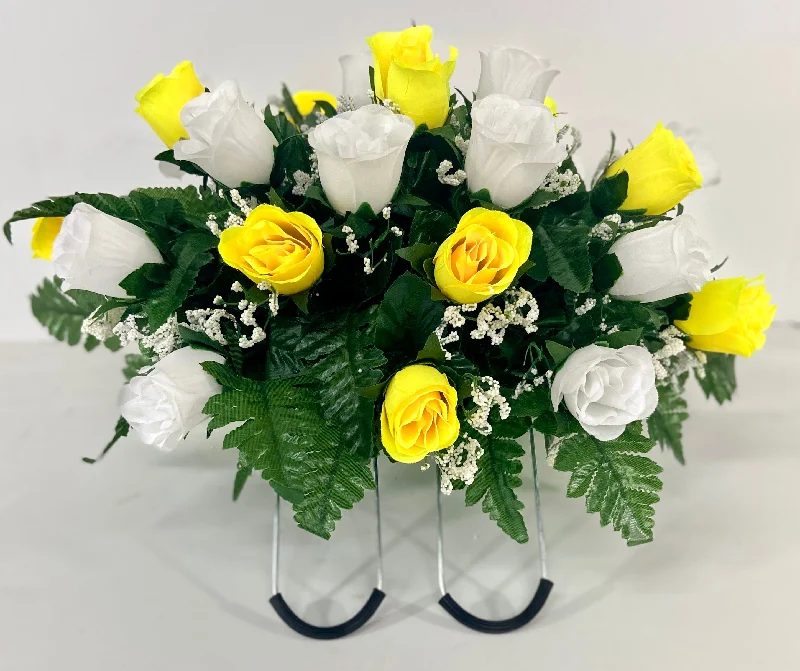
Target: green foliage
[(617, 480), (666, 423), (285, 436), (608, 194), (168, 156), (120, 431), (345, 360), (606, 272), (494, 485), (567, 250), (718, 378), (240, 480), (558, 352), (134, 363)]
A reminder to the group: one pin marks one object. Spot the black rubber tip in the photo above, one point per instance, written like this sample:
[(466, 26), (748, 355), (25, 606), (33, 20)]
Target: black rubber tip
[(499, 626), (327, 633)]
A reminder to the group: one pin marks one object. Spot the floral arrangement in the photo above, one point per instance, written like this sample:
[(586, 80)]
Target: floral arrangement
[(403, 269)]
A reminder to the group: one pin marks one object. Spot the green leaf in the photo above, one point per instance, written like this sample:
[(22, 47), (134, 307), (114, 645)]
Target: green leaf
[(494, 484), (145, 280), (665, 424), (432, 351), (417, 254), (242, 476), (192, 252), (719, 380), (61, 313), (120, 431), (609, 194), (407, 315), (431, 226), (282, 358), (188, 167), (567, 252), (532, 403), (623, 338), (558, 352), (617, 480), (344, 360), (606, 272), (133, 364), (291, 108)]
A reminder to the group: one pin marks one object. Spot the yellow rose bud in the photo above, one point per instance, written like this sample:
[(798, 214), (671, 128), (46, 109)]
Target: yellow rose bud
[(45, 230), (304, 101), (418, 414), (551, 105), (407, 73), (281, 248), (161, 101), (661, 172), (483, 256), (729, 316)]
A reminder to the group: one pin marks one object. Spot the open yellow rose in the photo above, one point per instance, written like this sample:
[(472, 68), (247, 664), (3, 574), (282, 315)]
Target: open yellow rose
[(419, 414), (407, 72), (482, 257), (729, 316), (161, 101), (281, 248), (661, 172), (304, 101), (45, 230)]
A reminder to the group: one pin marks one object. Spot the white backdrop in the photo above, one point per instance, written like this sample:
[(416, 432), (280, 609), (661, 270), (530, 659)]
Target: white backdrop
[(70, 71)]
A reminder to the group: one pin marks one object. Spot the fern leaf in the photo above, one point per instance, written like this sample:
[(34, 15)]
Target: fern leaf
[(666, 423), (62, 313)]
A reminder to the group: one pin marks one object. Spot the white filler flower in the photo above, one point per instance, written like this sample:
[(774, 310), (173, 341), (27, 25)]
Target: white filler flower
[(606, 389), (361, 156), (516, 73), (663, 261), (227, 137), (167, 403), (95, 251), (512, 148)]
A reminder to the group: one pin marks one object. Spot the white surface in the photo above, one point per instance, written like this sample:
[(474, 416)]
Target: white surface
[(70, 71), (143, 562)]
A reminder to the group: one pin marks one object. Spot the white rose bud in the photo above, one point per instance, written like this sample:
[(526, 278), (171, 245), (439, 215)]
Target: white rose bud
[(606, 389), (512, 148), (227, 137), (167, 403), (663, 261), (516, 73), (361, 156), (355, 77), (95, 251)]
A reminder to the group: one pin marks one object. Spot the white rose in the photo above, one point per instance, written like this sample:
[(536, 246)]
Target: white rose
[(512, 148), (95, 251), (355, 77), (167, 403), (516, 73), (606, 389), (227, 137), (663, 261), (361, 156)]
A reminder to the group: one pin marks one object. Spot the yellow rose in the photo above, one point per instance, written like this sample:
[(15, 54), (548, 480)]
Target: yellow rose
[(482, 257), (418, 414), (45, 230), (729, 316), (281, 248), (407, 72), (304, 100), (661, 172), (551, 105), (161, 101)]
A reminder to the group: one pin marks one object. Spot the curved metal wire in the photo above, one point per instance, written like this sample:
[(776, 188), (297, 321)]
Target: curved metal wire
[(539, 598), (354, 623)]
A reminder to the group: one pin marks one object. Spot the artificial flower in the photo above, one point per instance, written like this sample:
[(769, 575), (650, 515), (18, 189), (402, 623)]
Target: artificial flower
[(482, 257), (661, 171), (663, 261), (166, 403), (361, 156), (729, 316), (95, 251), (45, 230), (304, 101), (283, 249), (515, 73), (418, 414), (227, 137), (407, 73), (355, 78), (512, 148), (606, 389), (161, 101)]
